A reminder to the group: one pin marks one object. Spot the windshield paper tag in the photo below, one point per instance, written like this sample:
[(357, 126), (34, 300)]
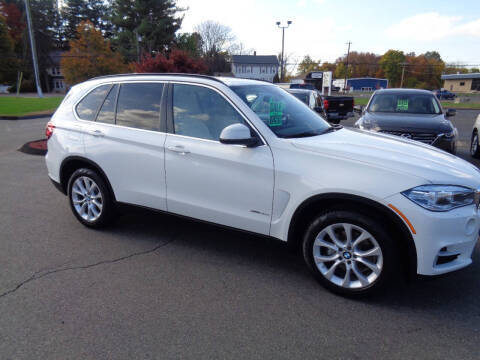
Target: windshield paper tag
[(402, 104), (276, 113)]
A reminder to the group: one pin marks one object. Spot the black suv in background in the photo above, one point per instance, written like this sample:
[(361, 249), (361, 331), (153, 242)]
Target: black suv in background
[(411, 114)]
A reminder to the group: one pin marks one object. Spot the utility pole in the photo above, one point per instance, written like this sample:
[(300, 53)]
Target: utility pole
[(282, 68), (346, 68), (34, 49), (403, 72)]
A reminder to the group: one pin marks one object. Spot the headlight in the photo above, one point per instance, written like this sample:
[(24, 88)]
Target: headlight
[(441, 197), (449, 134)]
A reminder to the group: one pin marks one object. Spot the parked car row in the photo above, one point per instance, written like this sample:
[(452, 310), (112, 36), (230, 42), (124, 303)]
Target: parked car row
[(246, 154)]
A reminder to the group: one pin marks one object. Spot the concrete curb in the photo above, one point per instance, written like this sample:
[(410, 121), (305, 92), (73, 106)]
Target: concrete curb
[(26, 117)]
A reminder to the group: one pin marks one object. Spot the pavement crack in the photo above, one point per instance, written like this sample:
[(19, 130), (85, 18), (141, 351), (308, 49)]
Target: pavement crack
[(41, 274)]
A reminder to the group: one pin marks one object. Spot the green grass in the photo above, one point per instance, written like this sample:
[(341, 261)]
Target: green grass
[(361, 100), (465, 105), (20, 106)]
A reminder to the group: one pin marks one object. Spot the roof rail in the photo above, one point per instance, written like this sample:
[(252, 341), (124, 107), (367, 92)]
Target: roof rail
[(166, 74)]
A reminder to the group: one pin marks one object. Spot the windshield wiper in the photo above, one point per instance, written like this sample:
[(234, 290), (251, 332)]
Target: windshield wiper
[(314, 133), (331, 128), (303, 134)]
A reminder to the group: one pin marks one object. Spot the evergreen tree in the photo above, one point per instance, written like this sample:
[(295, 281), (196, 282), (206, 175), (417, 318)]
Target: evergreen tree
[(145, 26), (96, 11)]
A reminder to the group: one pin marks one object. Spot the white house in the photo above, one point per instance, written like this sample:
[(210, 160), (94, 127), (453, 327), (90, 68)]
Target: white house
[(258, 67), (56, 81)]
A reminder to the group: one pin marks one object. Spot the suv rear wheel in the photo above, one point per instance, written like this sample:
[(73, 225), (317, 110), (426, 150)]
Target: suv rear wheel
[(348, 252), (90, 200)]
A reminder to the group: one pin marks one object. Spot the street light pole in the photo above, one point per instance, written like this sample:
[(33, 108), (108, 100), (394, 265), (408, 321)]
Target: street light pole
[(282, 69), (34, 50), (346, 68)]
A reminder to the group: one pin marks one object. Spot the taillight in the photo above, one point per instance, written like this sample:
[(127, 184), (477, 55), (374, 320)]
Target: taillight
[(353, 102), (325, 104), (49, 130)]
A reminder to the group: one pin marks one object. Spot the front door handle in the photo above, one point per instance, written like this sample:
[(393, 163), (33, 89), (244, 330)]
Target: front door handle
[(178, 149), (97, 133)]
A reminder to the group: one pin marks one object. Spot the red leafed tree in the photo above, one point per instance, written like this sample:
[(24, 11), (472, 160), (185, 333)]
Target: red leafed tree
[(178, 61), (14, 20)]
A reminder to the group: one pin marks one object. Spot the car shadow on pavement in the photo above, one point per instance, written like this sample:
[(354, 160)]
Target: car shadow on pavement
[(225, 246)]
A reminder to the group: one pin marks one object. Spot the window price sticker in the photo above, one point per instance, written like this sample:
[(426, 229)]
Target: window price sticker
[(276, 113), (402, 104)]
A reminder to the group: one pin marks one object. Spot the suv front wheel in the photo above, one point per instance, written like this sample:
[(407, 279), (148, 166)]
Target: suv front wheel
[(90, 200), (348, 252)]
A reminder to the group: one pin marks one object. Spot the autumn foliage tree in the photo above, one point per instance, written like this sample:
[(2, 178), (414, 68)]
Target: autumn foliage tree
[(176, 61), (90, 55)]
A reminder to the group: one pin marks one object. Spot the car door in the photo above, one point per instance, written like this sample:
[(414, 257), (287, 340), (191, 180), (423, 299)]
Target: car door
[(226, 184), (127, 141)]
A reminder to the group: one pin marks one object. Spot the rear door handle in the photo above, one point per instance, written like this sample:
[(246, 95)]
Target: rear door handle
[(97, 132), (178, 149)]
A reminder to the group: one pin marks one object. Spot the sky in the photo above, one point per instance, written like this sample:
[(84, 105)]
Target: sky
[(321, 28)]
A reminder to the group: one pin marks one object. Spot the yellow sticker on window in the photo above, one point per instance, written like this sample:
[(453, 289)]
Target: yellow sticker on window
[(402, 104)]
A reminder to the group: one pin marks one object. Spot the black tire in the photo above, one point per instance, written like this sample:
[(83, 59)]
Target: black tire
[(108, 204), (373, 227), (474, 145)]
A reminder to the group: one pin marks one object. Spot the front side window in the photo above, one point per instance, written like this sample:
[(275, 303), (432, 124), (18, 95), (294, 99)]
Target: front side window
[(201, 112), (405, 103), (87, 108), (286, 116), (139, 105)]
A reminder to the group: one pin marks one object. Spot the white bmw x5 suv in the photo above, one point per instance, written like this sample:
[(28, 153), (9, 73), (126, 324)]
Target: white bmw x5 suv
[(248, 155)]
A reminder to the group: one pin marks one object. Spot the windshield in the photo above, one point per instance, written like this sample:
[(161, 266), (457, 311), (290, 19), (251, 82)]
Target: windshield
[(405, 103), (285, 115)]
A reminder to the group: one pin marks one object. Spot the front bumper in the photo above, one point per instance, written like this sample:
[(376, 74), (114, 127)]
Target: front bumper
[(444, 241)]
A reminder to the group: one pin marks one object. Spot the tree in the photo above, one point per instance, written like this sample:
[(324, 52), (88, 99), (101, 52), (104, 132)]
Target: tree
[(190, 42), (391, 64), (177, 61), (215, 37), (308, 65), (95, 11), (474, 70), (90, 55), (340, 71), (149, 25), (7, 59)]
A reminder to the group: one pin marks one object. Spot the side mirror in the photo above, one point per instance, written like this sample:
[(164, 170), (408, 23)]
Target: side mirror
[(318, 109), (358, 109), (238, 134), (450, 112)]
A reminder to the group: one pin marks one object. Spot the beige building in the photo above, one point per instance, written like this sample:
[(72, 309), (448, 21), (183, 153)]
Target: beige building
[(462, 82)]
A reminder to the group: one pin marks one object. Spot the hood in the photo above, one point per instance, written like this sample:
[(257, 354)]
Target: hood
[(395, 154), (431, 123)]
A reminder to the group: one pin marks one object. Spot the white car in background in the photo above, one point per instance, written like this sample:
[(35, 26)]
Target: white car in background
[(474, 141), (248, 155)]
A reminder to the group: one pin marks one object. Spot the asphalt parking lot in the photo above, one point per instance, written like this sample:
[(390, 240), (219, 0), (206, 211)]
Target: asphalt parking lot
[(158, 287)]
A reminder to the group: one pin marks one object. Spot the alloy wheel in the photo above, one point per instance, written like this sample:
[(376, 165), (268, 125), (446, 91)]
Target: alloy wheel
[(87, 198), (348, 256), (474, 145)]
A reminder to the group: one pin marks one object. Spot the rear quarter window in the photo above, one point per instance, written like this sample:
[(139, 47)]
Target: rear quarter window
[(87, 108)]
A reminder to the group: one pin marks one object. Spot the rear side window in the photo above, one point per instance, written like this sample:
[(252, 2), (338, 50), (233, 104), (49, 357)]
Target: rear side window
[(107, 111), (139, 105), (88, 107)]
